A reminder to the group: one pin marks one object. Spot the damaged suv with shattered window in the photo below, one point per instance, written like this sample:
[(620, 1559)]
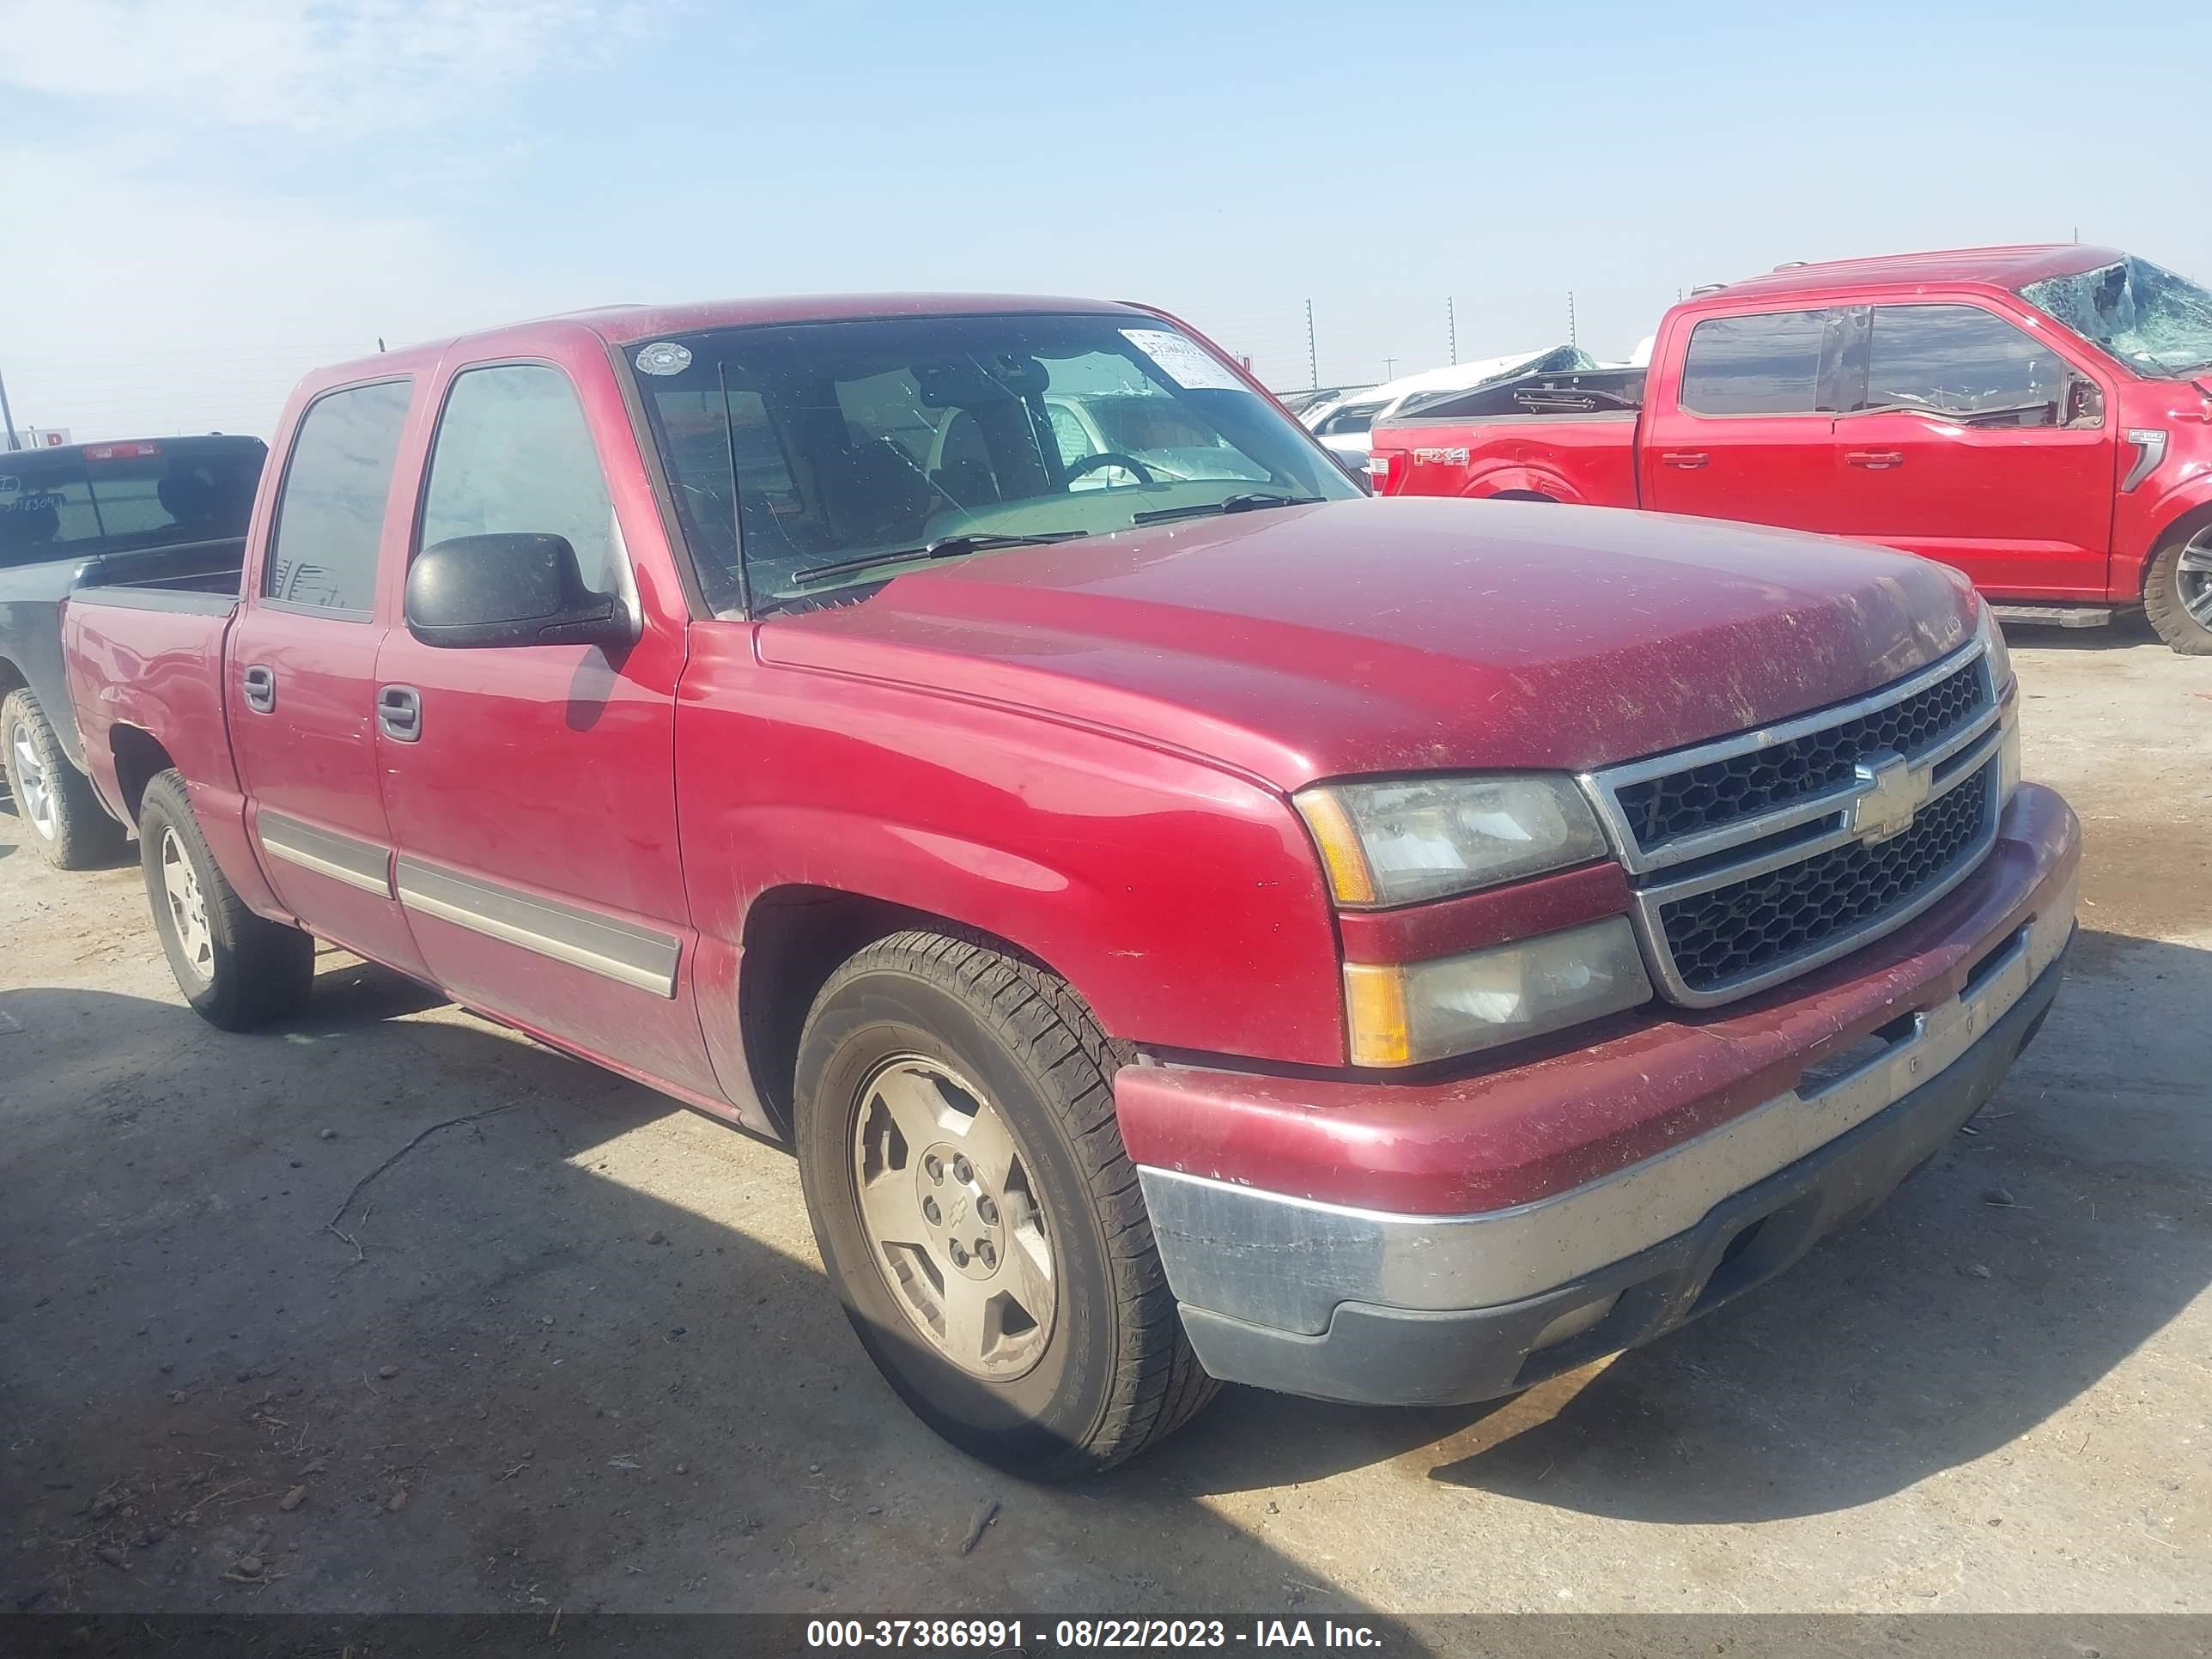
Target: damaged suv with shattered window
[(1191, 926)]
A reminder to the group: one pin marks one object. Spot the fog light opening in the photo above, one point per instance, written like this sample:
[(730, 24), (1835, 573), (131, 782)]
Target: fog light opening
[(1573, 1323)]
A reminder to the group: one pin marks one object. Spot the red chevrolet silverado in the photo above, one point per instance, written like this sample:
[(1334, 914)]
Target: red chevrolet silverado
[(1195, 927), (2040, 417)]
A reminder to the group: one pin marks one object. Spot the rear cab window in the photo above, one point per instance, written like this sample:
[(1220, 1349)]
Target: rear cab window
[(330, 511), (124, 497)]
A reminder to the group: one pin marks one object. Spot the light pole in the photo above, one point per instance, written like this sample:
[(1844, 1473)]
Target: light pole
[(8, 416)]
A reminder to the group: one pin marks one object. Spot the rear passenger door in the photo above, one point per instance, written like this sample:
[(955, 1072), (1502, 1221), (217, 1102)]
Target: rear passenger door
[(1972, 441), (1740, 429), (302, 663), (531, 789)]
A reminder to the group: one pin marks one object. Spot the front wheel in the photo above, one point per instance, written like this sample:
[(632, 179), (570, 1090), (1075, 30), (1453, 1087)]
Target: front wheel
[(68, 826), (2178, 592), (237, 969), (976, 1208)]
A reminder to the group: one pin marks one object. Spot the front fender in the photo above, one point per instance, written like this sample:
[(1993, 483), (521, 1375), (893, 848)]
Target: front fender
[(1183, 901)]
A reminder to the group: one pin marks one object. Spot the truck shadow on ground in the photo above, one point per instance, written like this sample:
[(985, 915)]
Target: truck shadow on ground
[(540, 1360), (2033, 1257)]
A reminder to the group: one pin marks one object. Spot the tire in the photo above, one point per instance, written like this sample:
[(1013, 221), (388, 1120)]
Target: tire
[(237, 969), (62, 817), (2169, 587), (1101, 1369)]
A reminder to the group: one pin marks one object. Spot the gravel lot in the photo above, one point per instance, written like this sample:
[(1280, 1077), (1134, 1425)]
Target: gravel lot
[(577, 1353)]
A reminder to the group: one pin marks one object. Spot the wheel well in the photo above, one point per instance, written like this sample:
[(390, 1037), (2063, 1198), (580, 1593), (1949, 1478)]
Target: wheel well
[(2185, 525), (795, 938), (139, 759), (11, 677), (1522, 496)]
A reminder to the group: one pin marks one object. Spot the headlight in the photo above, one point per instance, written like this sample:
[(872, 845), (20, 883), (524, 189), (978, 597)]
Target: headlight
[(1993, 641), (1397, 843), (1401, 1014), (2007, 687)]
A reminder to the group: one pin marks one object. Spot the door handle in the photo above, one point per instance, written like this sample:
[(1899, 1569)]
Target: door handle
[(1686, 459), (1876, 460), (259, 685), (400, 713)]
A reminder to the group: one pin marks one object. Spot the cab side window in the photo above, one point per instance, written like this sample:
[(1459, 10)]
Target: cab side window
[(1766, 364), (1963, 360), (330, 513), (514, 454)]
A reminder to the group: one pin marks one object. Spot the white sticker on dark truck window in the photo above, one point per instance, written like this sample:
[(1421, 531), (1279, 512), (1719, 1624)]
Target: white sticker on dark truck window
[(1181, 360), (663, 357)]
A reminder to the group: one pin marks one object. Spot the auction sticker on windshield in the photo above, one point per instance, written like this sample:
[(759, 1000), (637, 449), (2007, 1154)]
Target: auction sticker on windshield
[(1183, 363)]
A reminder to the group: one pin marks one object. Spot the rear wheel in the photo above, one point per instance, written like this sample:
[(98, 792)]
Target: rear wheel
[(237, 969), (2178, 592), (976, 1210), (65, 819)]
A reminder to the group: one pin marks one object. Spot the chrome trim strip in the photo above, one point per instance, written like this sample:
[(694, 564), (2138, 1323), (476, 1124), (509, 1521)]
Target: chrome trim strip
[(1279, 1261), (361, 864), (1651, 933), (632, 956), (1602, 786)]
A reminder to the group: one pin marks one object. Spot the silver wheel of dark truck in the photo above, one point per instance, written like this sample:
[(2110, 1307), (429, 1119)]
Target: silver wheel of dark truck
[(236, 969), (2178, 592), (62, 817), (977, 1211)]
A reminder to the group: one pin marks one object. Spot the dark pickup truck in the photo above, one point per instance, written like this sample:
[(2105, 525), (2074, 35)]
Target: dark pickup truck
[(1188, 929), (166, 513)]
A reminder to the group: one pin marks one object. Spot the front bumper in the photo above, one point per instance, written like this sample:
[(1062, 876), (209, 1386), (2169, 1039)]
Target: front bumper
[(1345, 1301)]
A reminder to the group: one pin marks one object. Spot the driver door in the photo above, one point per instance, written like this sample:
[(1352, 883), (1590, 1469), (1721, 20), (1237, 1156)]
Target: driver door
[(1999, 461)]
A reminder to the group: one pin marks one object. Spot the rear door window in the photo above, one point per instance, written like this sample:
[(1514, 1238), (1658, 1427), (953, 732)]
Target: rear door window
[(1766, 364), (1962, 360), (330, 514)]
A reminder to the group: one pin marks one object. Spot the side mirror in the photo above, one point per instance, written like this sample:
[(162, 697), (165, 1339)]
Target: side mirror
[(2085, 403), (515, 588)]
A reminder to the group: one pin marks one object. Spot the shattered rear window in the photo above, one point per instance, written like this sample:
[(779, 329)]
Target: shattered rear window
[(2155, 322)]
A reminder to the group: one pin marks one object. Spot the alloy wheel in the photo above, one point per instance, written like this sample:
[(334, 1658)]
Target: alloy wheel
[(952, 1215)]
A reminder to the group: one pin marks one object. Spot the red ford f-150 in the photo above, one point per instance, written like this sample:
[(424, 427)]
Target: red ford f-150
[(2040, 417), (1196, 928)]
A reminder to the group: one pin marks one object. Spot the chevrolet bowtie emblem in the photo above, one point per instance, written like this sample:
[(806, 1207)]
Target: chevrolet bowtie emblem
[(1890, 793)]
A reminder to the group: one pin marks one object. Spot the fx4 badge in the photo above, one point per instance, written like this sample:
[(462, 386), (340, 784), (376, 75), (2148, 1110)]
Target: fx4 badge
[(1891, 793)]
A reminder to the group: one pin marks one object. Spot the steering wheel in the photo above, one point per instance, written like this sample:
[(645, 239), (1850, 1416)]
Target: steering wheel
[(1104, 457)]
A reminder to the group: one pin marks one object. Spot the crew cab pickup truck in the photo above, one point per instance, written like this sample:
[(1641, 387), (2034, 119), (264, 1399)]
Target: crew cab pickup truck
[(2040, 418), (1188, 929), (168, 511)]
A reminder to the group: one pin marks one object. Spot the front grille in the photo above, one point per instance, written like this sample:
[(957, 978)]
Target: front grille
[(1737, 932), (1665, 808), (1752, 858)]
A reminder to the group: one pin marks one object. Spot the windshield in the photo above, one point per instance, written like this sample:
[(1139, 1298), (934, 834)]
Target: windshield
[(119, 497), (2156, 323), (803, 457)]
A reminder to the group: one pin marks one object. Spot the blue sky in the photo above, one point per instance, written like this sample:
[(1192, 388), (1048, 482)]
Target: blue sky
[(208, 199)]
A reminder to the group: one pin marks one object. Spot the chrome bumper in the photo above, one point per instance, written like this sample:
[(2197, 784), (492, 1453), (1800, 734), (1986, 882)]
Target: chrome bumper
[(1288, 1264)]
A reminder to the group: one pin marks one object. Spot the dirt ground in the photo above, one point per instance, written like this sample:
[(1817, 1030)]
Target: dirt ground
[(577, 1351)]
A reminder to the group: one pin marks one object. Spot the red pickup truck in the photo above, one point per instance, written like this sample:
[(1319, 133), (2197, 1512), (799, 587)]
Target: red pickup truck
[(1188, 929), (2040, 417)]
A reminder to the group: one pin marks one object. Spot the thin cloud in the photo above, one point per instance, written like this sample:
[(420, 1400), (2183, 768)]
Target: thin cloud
[(347, 69)]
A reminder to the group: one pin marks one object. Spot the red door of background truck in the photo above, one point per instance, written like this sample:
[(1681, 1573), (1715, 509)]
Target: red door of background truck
[(1738, 424), (1970, 440)]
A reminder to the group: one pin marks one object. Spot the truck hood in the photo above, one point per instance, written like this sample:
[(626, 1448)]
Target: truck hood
[(1405, 633)]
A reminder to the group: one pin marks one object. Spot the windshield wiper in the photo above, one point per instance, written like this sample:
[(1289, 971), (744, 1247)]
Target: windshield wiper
[(945, 547), (1250, 501)]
